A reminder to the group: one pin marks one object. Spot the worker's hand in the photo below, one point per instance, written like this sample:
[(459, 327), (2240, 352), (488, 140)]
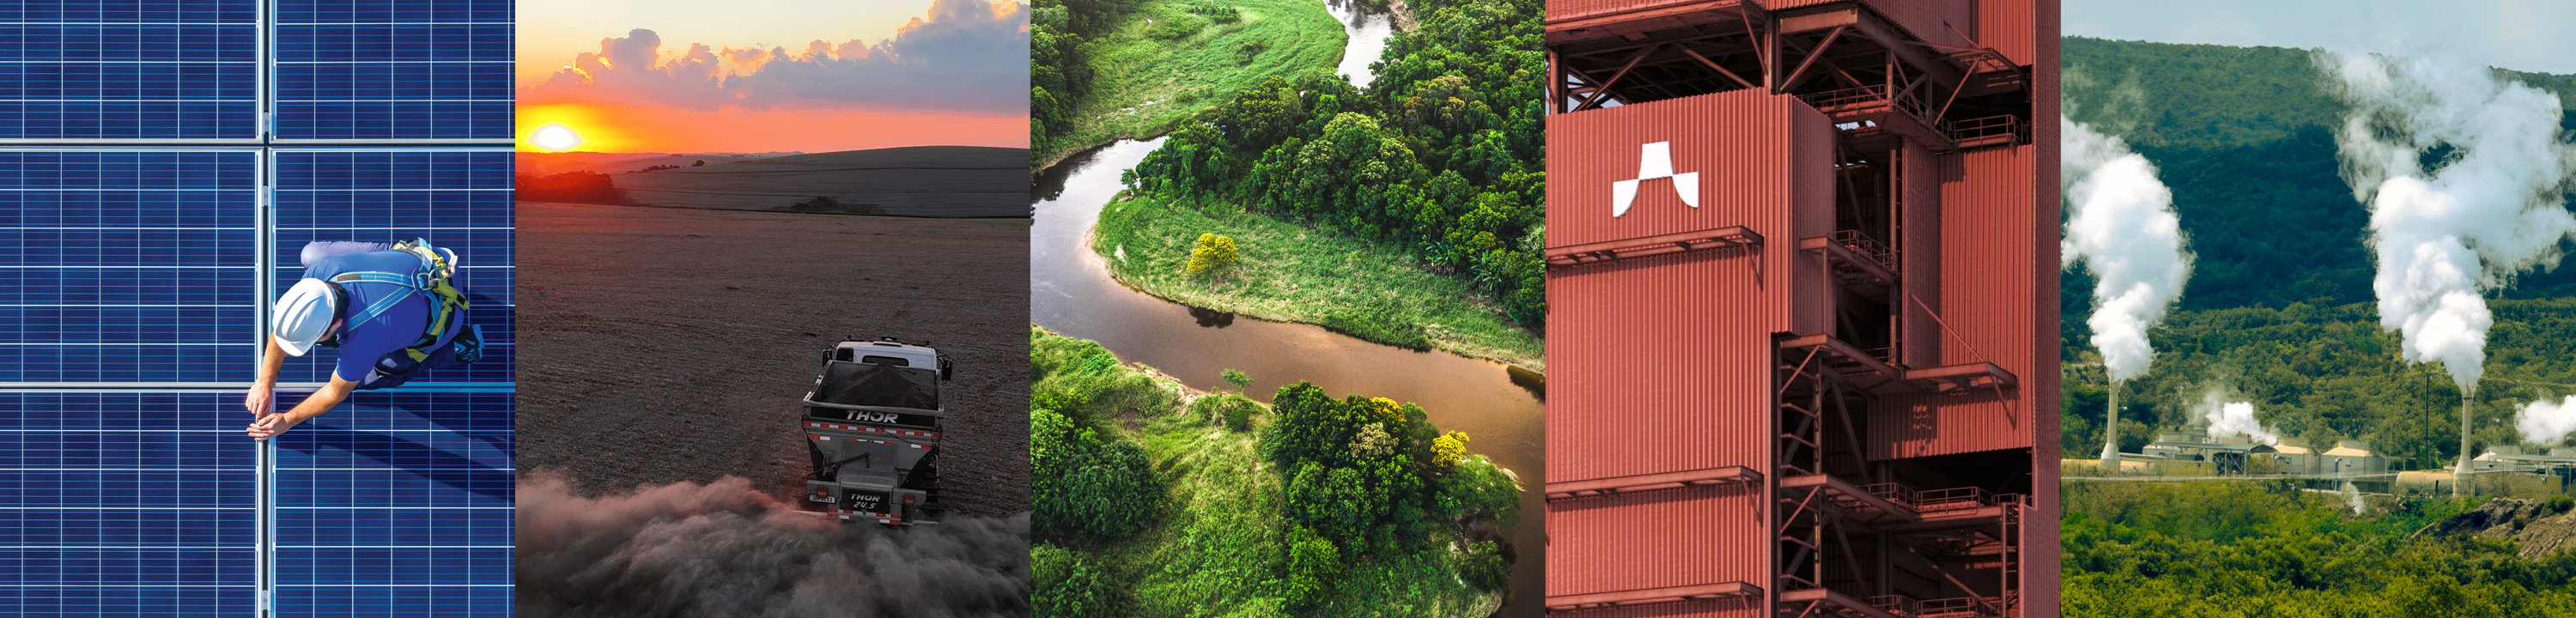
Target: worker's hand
[(261, 400), (271, 425)]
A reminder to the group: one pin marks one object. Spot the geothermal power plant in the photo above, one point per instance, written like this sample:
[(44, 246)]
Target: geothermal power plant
[(1802, 264)]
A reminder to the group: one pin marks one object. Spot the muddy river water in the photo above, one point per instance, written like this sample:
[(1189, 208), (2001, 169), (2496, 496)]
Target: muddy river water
[(1071, 292)]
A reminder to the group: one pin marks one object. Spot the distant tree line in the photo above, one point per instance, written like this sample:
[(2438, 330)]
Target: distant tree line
[(1442, 154), (574, 187)]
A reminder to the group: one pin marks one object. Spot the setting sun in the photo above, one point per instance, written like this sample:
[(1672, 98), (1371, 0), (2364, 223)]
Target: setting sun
[(555, 138)]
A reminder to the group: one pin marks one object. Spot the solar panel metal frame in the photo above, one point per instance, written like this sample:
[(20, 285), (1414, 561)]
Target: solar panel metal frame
[(265, 142)]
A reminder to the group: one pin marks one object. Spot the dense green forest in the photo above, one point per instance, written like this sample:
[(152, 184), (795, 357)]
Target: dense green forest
[(2279, 310), (2247, 549), (1059, 71), (1441, 156), (1149, 499)]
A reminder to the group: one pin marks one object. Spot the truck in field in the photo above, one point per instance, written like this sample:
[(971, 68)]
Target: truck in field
[(872, 427)]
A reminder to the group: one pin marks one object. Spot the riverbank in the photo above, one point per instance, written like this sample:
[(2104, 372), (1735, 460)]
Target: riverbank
[(1292, 273), (1165, 62), (1220, 545)]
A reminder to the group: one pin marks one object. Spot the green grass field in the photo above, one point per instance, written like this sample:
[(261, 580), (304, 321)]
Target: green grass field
[(1293, 273), (1219, 548), (1165, 63)]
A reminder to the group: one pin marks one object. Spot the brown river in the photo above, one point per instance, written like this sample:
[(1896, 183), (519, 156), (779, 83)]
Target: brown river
[(1071, 292)]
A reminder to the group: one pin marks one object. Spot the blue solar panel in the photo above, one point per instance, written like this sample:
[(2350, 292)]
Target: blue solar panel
[(395, 70), (163, 69), (126, 503), (399, 504), (457, 199), (128, 266), (135, 264)]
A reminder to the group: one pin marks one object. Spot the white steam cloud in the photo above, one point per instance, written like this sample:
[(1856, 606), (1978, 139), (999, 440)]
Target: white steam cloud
[(2123, 227), (2546, 423), (2235, 418), (2488, 207)]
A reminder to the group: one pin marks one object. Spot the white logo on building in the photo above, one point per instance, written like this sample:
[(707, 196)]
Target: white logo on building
[(1654, 161)]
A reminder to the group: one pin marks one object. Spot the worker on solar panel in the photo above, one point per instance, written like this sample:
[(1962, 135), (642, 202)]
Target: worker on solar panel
[(391, 309)]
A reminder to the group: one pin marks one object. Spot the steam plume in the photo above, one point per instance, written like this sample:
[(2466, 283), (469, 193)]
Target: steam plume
[(2487, 205), (722, 549), (2545, 423), (2122, 227), (2235, 418)]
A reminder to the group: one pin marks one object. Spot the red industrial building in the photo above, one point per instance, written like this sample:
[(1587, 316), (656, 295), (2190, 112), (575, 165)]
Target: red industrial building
[(1803, 273)]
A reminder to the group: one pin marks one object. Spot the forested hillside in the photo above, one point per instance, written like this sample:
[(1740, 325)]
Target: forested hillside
[(2244, 137), (2279, 310)]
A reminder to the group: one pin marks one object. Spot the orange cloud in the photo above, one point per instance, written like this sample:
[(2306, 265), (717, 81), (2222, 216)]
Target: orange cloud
[(650, 128), (968, 57)]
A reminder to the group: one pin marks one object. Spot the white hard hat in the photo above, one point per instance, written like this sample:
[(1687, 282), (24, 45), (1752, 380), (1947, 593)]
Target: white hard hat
[(303, 315)]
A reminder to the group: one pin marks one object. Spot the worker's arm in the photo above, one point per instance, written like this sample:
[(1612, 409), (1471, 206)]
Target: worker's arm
[(321, 401), (263, 393)]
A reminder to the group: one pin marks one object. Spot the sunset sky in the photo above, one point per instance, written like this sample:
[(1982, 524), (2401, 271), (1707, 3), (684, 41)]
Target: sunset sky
[(768, 76)]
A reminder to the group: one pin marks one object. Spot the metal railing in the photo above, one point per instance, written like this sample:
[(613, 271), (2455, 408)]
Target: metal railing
[(1867, 247), (1898, 604), (1910, 103), (1954, 607), (1973, 129), (1954, 498), (1891, 492)]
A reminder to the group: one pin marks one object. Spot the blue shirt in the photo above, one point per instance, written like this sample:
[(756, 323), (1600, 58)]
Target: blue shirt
[(361, 344)]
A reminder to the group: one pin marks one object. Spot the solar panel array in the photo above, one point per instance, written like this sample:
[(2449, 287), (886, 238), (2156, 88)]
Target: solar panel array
[(128, 265), (394, 69), (155, 69), (399, 505), (166, 162), (126, 503)]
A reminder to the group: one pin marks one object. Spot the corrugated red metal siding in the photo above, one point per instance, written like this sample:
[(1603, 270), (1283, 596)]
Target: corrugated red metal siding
[(1567, 10), (1654, 385), (1657, 539), (2040, 547), (1737, 142), (1919, 257), (1947, 22), (1724, 608), (2013, 27), (1986, 229), (1665, 365)]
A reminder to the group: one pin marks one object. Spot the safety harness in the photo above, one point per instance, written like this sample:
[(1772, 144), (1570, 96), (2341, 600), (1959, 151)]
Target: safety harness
[(435, 278)]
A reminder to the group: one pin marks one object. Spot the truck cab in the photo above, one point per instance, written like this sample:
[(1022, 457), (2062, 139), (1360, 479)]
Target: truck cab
[(872, 427)]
